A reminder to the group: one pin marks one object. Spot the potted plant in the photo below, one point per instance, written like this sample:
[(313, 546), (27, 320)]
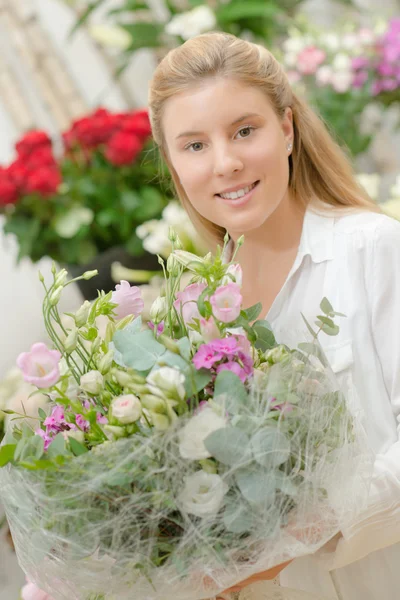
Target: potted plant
[(82, 206)]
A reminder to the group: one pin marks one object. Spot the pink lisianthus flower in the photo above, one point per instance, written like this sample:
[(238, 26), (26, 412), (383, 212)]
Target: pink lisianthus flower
[(208, 329), (40, 366), (234, 367), (30, 591), (128, 299), (186, 302), (226, 302), (310, 59), (206, 357)]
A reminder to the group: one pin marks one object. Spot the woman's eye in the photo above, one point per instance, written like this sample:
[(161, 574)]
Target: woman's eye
[(195, 146), (245, 132)]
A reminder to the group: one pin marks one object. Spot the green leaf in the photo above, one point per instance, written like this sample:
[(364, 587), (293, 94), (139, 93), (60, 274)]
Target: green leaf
[(228, 445), (57, 447), (27, 231), (326, 306), (229, 386), (184, 347), (68, 224), (270, 447), (315, 350), (256, 486), (37, 444), (253, 312), (130, 200), (265, 337), (76, 447), (42, 414), (144, 35), (7, 454), (332, 331), (324, 320), (140, 351), (134, 245), (238, 517), (246, 10), (310, 329)]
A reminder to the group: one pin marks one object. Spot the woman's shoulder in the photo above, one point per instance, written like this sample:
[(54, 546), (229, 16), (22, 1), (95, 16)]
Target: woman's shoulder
[(372, 228)]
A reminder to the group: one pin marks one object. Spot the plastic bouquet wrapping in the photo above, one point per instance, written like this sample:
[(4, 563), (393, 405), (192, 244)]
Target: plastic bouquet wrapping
[(180, 456)]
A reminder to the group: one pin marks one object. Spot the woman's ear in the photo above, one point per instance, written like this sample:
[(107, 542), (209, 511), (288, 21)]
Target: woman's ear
[(287, 125)]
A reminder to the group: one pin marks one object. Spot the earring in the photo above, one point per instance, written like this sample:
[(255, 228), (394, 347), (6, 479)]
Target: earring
[(289, 146)]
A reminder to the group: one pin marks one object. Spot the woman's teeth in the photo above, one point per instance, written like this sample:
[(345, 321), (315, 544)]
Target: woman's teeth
[(238, 193)]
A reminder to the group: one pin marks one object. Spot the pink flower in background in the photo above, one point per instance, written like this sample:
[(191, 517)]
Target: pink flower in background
[(101, 419), (128, 299), (208, 329), (309, 59), (186, 301), (30, 591), (206, 357), (234, 367), (226, 302), (82, 423), (40, 366)]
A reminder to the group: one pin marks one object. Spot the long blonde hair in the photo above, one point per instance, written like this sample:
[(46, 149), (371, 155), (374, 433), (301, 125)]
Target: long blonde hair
[(319, 169)]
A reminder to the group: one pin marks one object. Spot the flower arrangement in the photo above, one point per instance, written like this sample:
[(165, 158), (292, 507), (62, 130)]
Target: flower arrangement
[(180, 456), (343, 72), (69, 207)]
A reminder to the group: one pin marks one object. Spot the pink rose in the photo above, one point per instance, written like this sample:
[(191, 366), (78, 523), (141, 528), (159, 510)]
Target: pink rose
[(226, 302), (186, 301), (309, 60), (128, 299), (40, 366), (30, 591)]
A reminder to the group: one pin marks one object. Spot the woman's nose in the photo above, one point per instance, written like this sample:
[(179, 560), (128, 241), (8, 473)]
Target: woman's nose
[(226, 162)]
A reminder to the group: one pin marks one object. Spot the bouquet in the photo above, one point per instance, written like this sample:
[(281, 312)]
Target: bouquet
[(67, 203), (179, 456)]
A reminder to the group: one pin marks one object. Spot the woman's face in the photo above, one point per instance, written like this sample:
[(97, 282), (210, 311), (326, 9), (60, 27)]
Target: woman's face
[(230, 152)]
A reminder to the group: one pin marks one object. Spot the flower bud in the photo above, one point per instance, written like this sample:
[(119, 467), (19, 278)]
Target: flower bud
[(160, 422), (172, 266), (92, 382), (116, 432), (71, 341), (153, 403), (96, 344), (55, 296), (89, 274), (122, 377), (61, 277), (82, 314), (104, 364), (158, 309)]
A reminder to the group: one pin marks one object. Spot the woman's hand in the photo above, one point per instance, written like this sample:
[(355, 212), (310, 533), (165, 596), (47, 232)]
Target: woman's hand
[(263, 576)]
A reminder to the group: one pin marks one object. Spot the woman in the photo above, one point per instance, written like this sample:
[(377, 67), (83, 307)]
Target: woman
[(247, 156)]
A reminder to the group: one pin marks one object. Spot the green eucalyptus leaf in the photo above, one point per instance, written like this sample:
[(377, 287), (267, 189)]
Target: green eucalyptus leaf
[(265, 337), (238, 517), (332, 331), (139, 351), (315, 350), (257, 486), (325, 321), (58, 447), (310, 329), (253, 312), (228, 445), (326, 306), (229, 385), (270, 447)]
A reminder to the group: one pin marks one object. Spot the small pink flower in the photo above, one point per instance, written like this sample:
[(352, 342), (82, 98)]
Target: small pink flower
[(40, 366), (101, 419), (225, 346), (234, 367), (186, 301), (82, 423), (56, 420), (226, 302), (128, 299), (206, 357), (46, 438), (160, 326), (243, 344), (208, 329), (30, 591), (309, 60), (247, 362)]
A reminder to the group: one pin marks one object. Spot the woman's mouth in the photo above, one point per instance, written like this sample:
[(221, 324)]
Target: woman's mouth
[(240, 196)]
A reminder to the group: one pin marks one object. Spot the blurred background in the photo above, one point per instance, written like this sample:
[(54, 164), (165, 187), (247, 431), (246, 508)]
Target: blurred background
[(80, 180)]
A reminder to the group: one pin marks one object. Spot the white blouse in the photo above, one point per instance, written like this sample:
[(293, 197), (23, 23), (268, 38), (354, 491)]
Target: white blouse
[(354, 260)]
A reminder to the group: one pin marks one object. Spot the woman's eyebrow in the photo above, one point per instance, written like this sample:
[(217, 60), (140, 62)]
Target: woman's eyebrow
[(235, 122)]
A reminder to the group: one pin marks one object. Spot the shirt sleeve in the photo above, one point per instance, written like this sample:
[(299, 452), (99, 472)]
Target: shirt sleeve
[(378, 526)]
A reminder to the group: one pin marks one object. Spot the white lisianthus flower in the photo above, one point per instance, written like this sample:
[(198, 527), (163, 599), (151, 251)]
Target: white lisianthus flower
[(126, 409), (236, 270), (193, 434), (203, 494), (192, 23), (92, 382), (169, 381), (370, 182)]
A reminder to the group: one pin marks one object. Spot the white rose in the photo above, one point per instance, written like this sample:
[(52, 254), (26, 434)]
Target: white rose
[(92, 382), (192, 23), (203, 494), (169, 381), (127, 408), (196, 430)]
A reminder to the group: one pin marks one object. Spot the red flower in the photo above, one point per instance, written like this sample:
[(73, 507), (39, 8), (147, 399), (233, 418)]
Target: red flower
[(92, 130), (123, 148), (8, 190), (18, 173), (138, 123), (41, 157), (44, 181), (31, 141)]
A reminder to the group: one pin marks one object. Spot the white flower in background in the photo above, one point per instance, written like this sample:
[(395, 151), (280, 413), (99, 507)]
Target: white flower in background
[(196, 430), (395, 189), (371, 183), (111, 36), (294, 44), (350, 41), (155, 238), (324, 75), (332, 41), (203, 494), (127, 408), (92, 382), (169, 381), (341, 62), (192, 23), (341, 81)]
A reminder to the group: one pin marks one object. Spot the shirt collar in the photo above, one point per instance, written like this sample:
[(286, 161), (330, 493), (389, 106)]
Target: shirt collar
[(317, 236)]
